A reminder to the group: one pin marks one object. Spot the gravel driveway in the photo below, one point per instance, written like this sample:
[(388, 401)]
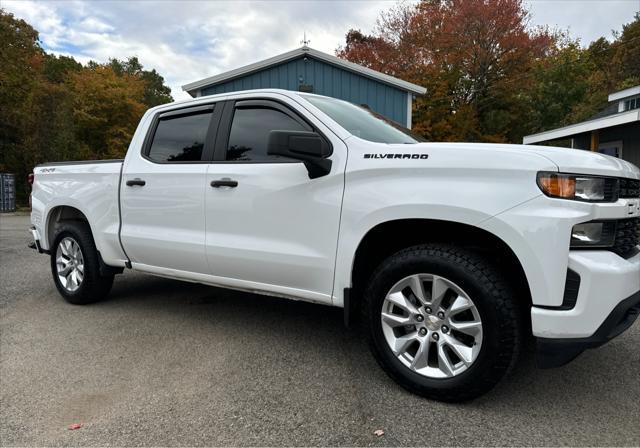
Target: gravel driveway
[(170, 363)]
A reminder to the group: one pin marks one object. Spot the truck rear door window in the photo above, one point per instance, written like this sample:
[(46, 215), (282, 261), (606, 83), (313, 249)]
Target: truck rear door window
[(180, 138)]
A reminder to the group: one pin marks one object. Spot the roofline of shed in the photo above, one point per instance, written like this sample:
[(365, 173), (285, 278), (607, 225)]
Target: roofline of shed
[(585, 126), (284, 57), (626, 93)]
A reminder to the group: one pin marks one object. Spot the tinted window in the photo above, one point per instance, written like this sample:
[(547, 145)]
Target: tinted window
[(250, 132), (363, 123), (180, 139)]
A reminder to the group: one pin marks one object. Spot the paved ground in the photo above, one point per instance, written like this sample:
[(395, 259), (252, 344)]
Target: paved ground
[(169, 363)]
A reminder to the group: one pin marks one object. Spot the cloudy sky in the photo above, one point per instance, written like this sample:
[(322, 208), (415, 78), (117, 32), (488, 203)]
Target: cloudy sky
[(190, 40)]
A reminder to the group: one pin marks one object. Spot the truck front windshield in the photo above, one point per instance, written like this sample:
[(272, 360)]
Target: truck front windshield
[(363, 122)]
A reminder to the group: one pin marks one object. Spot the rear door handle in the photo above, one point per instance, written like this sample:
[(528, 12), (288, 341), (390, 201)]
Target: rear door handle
[(224, 182), (137, 181)]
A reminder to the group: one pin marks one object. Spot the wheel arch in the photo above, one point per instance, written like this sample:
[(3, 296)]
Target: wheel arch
[(67, 213), (59, 214), (387, 238)]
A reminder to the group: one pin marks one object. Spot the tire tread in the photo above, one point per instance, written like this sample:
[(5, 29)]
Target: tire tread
[(481, 269), (94, 287)]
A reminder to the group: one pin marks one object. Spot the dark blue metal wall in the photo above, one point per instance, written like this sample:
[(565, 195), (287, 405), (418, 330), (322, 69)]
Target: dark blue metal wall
[(326, 79), (628, 134)]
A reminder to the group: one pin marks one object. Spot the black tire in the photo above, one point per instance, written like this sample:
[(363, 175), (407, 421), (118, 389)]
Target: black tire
[(493, 298), (94, 287)]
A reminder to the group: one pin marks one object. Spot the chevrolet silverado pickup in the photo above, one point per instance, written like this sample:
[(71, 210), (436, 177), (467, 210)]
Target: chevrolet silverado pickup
[(448, 255)]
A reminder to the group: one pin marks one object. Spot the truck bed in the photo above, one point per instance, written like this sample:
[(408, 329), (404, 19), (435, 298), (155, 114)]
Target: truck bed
[(90, 186), (80, 162)]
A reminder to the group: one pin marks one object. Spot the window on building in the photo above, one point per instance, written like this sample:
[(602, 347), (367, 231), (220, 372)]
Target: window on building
[(633, 103), (180, 138), (611, 148), (250, 132)]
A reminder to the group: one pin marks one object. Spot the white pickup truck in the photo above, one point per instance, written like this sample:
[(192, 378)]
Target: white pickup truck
[(451, 254)]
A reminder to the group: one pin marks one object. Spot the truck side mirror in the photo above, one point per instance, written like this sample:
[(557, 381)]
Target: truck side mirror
[(308, 147)]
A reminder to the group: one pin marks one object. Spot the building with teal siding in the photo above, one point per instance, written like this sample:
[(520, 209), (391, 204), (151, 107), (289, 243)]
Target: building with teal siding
[(308, 70)]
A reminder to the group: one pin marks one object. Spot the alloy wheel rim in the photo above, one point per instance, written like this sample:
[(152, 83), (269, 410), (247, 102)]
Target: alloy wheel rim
[(431, 325), (69, 264)]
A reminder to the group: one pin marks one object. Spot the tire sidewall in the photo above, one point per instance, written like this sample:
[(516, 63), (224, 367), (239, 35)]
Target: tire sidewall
[(80, 295), (475, 287)]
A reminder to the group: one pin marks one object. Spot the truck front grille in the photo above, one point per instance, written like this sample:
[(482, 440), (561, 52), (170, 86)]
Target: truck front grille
[(629, 188), (628, 230), (611, 189), (627, 237)]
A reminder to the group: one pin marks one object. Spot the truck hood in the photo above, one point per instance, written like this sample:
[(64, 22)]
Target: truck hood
[(567, 160), (585, 162)]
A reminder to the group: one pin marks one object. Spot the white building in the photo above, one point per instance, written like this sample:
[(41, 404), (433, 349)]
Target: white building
[(615, 130)]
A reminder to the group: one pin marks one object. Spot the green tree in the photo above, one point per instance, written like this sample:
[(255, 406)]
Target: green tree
[(107, 108), (155, 92), (54, 109), (21, 60), (613, 66), (626, 56), (561, 81), (489, 76), (57, 68)]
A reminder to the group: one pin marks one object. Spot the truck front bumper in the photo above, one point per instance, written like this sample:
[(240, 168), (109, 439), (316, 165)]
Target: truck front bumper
[(558, 352), (608, 303)]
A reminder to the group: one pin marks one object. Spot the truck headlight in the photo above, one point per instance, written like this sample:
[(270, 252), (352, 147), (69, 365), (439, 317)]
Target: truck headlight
[(593, 234), (578, 188)]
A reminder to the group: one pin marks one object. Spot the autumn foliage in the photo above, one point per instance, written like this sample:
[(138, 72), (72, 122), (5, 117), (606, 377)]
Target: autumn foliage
[(489, 75), (53, 108)]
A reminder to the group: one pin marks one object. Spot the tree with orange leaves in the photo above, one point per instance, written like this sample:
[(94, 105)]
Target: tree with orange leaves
[(473, 56), (53, 108)]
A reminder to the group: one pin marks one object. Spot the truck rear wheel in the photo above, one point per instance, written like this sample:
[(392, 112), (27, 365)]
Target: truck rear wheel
[(75, 265), (442, 322)]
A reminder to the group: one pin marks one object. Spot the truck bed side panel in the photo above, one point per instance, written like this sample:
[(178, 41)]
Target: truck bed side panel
[(92, 188)]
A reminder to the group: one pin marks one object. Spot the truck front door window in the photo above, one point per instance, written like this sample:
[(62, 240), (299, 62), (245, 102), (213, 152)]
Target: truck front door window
[(250, 132), (180, 139)]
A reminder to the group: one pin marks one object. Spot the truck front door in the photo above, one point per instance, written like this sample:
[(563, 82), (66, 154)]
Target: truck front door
[(268, 226)]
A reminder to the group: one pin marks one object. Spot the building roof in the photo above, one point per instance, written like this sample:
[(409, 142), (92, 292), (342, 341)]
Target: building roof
[(626, 93), (585, 126), (611, 109), (611, 115), (193, 87)]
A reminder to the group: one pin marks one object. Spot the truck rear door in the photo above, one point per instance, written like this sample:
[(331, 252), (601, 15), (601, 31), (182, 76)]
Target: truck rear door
[(163, 188)]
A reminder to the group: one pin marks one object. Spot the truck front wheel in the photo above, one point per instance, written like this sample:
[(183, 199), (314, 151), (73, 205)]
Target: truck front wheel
[(442, 322), (75, 265)]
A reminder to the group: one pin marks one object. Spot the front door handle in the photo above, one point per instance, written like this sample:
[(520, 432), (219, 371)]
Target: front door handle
[(136, 182), (224, 182)]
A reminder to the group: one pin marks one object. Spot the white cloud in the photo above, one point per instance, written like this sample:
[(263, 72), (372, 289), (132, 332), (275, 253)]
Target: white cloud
[(91, 24), (587, 20), (186, 41), (189, 40)]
